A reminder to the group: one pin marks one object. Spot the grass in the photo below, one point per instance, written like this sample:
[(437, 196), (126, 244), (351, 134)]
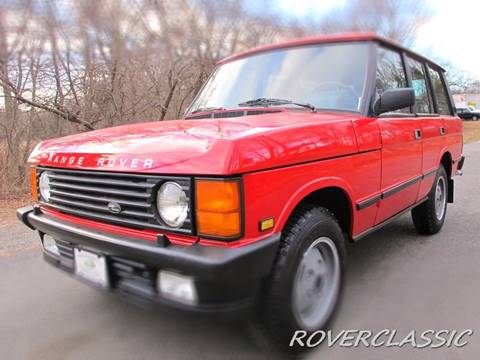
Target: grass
[(471, 131)]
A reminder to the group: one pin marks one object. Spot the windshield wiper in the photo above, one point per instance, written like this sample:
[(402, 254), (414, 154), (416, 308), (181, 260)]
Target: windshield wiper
[(273, 102), (202, 109)]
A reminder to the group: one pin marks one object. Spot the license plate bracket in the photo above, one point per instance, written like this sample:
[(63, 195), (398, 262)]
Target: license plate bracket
[(92, 267)]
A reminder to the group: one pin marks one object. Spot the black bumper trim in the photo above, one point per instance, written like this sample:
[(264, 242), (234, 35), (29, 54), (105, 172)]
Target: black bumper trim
[(254, 260), (224, 275), (22, 215)]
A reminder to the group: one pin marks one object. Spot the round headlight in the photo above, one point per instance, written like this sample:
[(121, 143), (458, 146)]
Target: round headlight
[(44, 186), (172, 204)]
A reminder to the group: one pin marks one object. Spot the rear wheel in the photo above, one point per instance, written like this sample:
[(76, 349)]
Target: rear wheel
[(305, 285), (429, 216), (475, 118)]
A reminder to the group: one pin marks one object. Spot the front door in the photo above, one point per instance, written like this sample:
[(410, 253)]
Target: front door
[(401, 135)]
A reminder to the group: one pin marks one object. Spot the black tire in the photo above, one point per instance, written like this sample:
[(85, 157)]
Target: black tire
[(474, 118), (276, 321), (424, 216)]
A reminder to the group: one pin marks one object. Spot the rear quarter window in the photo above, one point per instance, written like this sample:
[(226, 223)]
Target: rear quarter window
[(440, 92)]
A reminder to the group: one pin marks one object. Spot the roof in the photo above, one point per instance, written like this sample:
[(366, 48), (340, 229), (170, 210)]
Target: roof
[(324, 39)]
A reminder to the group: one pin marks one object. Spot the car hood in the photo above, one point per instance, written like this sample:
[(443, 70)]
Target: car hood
[(223, 146)]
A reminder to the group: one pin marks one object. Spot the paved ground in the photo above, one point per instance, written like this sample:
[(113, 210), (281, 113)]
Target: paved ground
[(395, 280)]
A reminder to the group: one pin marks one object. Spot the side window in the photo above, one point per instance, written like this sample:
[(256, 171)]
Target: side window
[(390, 73), (440, 92), (423, 101)]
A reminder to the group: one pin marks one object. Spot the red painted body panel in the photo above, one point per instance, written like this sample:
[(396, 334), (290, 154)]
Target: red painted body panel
[(277, 192), (367, 133), (401, 162), (433, 146), (453, 137), (205, 147)]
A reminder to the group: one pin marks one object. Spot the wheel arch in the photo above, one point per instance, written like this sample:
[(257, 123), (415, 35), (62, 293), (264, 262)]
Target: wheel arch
[(332, 195), (446, 160)]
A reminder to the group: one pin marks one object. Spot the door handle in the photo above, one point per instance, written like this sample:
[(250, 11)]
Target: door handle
[(442, 130), (418, 134)]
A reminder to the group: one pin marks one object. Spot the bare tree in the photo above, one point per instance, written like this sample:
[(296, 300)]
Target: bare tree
[(396, 20), (70, 66), (460, 81)]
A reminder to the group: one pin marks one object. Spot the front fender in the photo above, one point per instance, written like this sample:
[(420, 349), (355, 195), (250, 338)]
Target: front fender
[(309, 188)]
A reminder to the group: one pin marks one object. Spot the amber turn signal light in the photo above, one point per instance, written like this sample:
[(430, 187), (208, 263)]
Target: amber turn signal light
[(218, 208), (33, 183), (266, 224)]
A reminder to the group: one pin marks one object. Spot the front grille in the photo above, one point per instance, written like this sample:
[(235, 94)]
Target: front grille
[(87, 194)]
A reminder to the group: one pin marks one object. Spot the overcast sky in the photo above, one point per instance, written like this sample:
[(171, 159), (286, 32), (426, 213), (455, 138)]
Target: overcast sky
[(452, 35)]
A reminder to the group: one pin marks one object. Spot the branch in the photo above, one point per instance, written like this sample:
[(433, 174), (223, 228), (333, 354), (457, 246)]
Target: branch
[(63, 113)]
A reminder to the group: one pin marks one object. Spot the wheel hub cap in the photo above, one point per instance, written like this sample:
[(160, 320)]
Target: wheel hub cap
[(317, 283), (440, 198)]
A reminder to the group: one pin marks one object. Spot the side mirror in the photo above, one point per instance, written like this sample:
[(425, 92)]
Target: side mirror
[(394, 99)]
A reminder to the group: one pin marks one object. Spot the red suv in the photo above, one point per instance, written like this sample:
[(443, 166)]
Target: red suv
[(288, 152)]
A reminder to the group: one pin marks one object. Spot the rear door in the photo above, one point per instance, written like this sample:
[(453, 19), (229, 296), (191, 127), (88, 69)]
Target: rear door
[(453, 137), (432, 123), (401, 141)]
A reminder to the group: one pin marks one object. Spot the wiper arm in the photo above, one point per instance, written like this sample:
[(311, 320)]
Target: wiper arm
[(202, 109), (273, 102)]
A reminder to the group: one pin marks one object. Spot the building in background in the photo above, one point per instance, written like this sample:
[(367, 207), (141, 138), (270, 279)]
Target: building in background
[(462, 100)]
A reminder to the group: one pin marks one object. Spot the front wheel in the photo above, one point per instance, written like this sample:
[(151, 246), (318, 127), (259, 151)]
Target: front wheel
[(475, 118), (429, 216), (306, 282)]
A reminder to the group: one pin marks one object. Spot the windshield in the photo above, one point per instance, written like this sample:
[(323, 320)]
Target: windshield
[(328, 76)]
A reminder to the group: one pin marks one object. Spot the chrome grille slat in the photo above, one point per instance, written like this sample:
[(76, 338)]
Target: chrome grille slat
[(96, 180), (138, 214), (79, 204), (100, 208), (107, 218), (101, 199), (87, 194), (122, 192)]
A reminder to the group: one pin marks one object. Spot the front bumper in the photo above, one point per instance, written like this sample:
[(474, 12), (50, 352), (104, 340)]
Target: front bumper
[(225, 278)]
